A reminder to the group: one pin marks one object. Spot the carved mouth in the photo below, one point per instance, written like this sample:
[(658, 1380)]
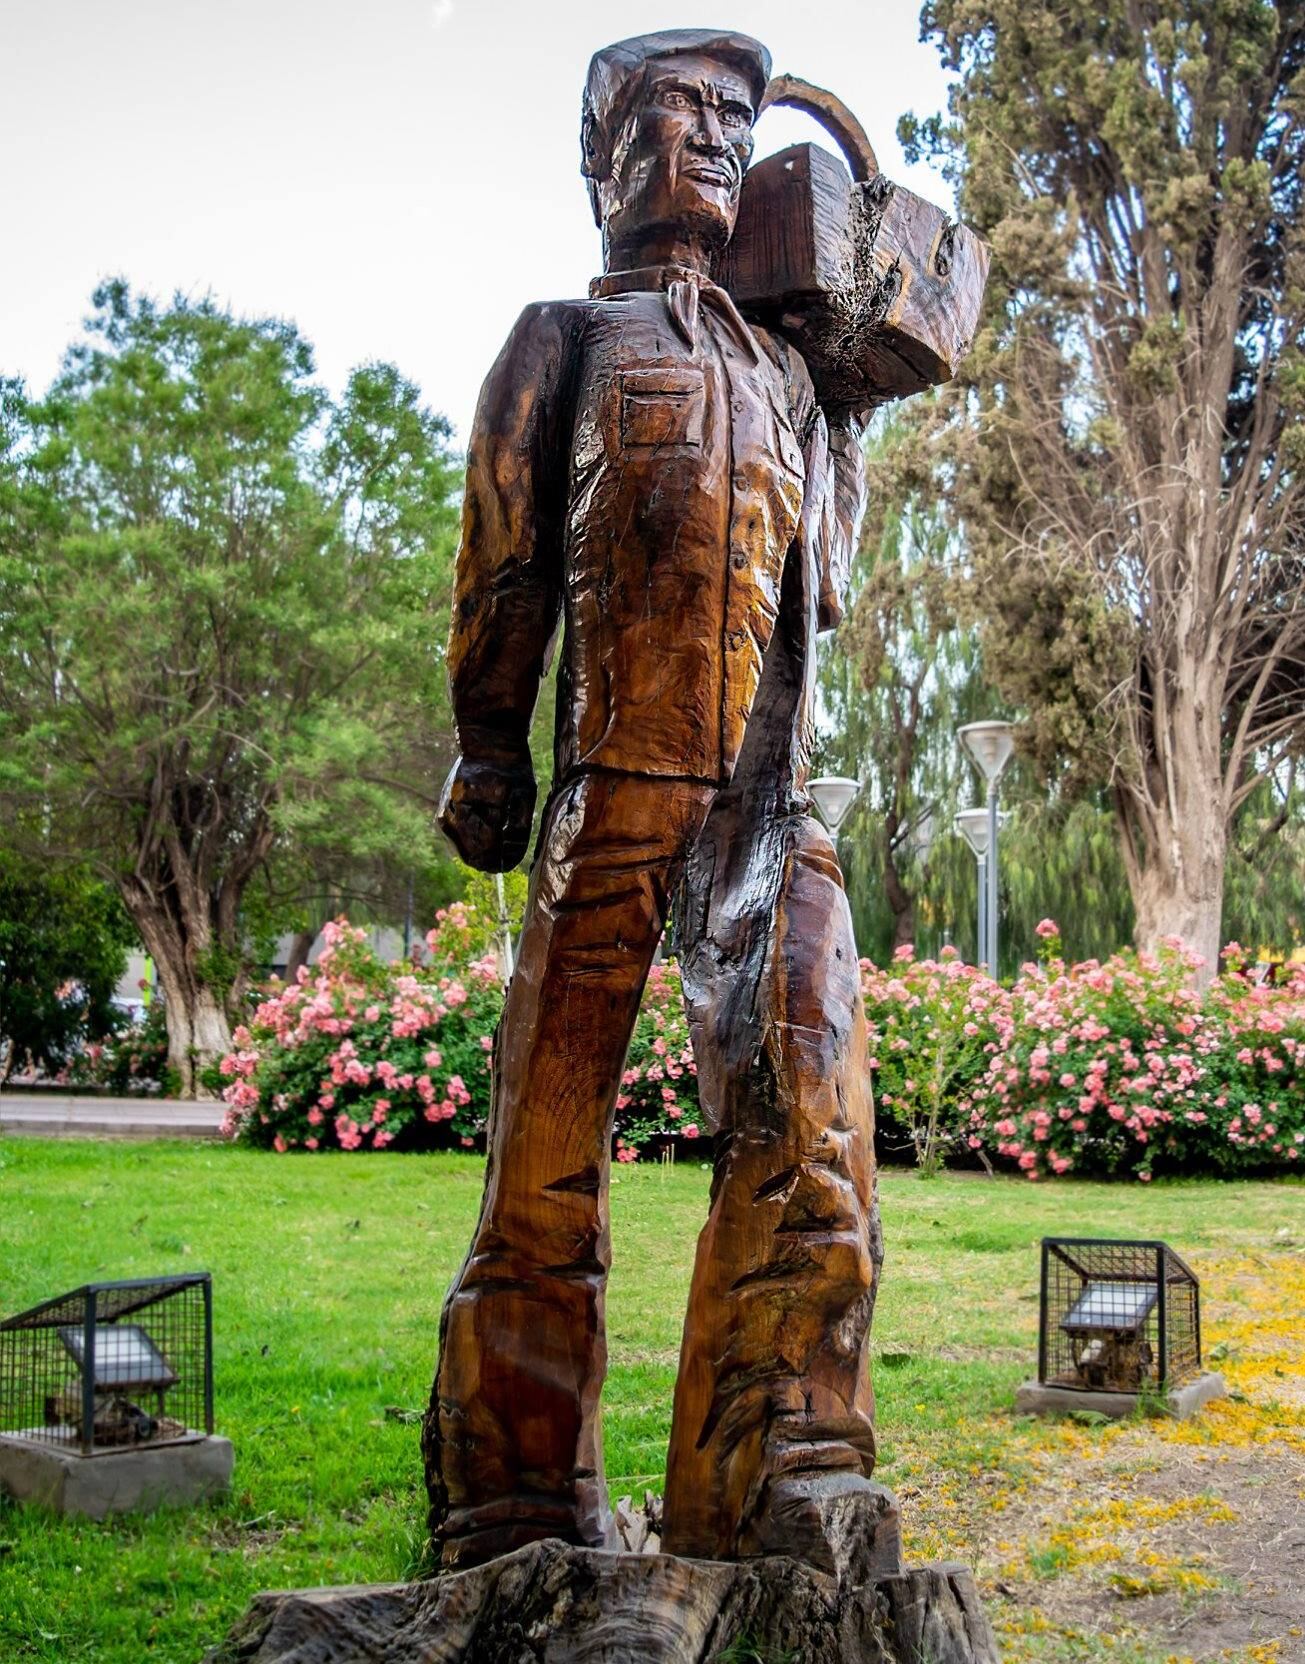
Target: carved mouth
[(705, 174)]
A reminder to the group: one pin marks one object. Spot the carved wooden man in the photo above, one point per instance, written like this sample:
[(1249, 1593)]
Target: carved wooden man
[(656, 473)]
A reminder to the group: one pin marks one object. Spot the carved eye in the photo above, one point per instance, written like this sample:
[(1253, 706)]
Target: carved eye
[(675, 100), (732, 116)]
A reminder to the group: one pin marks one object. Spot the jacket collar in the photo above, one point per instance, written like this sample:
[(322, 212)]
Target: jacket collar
[(682, 287)]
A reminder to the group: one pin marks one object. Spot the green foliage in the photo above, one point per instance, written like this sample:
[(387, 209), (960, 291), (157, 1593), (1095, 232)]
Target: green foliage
[(901, 675), (129, 1060), (480, 894), (222, 608), (63, 947), (896, 680), (1060, 855), (1264, 900)]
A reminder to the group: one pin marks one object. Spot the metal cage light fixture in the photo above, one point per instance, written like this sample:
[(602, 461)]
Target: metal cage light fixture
[(75, 1375), (1117, 1316)]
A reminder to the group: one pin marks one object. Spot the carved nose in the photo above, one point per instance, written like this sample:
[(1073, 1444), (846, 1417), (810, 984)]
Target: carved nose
[(709, 136)]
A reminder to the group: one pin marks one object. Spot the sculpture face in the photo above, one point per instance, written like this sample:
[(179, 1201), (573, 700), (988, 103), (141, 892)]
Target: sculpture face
[(679, 161)]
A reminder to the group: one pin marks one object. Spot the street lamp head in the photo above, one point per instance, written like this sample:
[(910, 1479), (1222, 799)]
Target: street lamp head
[(833, 795), (972, 824), (990, 745)]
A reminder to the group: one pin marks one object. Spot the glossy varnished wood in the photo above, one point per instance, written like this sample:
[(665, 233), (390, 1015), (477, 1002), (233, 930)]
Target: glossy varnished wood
[(667, 473)]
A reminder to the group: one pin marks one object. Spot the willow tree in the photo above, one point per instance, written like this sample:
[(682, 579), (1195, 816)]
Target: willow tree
[(896, 681), (220, 598), (1126, 452)]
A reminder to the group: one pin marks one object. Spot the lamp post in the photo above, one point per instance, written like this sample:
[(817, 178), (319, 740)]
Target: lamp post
[(506, 966), (989, 746), (972, 824), (833, 795)]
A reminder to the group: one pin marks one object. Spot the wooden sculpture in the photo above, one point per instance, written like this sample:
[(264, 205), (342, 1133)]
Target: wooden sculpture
[(661, 472)]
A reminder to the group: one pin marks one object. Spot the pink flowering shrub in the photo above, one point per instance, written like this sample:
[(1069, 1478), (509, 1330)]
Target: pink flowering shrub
[(1124, 1069), (658, 1100), (131, 1062), (360, 1054), (931, 1026)]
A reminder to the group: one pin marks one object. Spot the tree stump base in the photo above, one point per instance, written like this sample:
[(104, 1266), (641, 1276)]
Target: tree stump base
[(550, 1603)]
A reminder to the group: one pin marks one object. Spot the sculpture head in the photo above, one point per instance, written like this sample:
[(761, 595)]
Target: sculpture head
[(666, 134)]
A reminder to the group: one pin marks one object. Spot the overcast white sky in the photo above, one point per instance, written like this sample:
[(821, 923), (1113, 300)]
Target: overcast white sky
[(398, 176)]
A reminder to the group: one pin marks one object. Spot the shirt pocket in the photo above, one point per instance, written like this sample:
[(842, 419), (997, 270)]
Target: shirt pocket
[(662, 408)]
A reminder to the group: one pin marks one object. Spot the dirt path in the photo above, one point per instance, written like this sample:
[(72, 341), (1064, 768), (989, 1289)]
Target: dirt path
[(1153, 1542)]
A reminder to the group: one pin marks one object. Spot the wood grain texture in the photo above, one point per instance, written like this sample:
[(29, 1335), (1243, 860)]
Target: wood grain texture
[(553, 1604), (680, 487), (878, 289)]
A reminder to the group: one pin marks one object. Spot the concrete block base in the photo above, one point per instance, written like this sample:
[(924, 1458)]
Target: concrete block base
[(1035, 1399), (119, 1481)]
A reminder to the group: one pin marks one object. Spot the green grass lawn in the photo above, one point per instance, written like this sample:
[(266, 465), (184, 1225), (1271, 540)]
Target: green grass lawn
[(328, 1277)]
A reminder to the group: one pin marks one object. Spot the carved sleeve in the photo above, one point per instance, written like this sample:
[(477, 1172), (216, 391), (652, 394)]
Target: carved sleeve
[(834, 500), (508, 583), (842, 522)]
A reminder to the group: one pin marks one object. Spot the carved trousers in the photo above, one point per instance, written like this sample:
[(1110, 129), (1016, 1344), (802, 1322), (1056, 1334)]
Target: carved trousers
[(773, 1375)]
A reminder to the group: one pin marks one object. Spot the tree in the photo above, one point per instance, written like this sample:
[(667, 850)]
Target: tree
[(1126, 452), (63, 947), (222, 612), (898, 678)]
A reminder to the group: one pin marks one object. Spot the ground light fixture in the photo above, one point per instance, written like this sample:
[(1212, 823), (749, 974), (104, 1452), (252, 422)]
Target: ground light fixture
[(111, 1365), (833, 795), (989, 746), (1117, 1316)]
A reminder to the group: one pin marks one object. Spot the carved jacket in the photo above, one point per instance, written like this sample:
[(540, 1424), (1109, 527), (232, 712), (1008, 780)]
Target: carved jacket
[(642, 462)]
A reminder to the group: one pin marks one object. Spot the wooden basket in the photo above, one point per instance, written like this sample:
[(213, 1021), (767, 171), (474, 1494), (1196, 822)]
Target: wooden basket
[(878, 289)]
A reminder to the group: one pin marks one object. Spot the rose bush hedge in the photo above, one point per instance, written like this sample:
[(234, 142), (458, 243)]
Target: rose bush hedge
[(1119, 1069), (1115, 1069), (932, 1025), (1123, 1068), (131, 1062), (361, 1054)]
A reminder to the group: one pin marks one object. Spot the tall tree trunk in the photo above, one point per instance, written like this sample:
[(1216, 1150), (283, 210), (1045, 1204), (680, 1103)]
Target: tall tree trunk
[(901, 901), (1177, 883), (198, 1028), (198, 1035)]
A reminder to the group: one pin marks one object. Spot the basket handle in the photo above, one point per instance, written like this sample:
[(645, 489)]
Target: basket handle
[(832, 114)]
